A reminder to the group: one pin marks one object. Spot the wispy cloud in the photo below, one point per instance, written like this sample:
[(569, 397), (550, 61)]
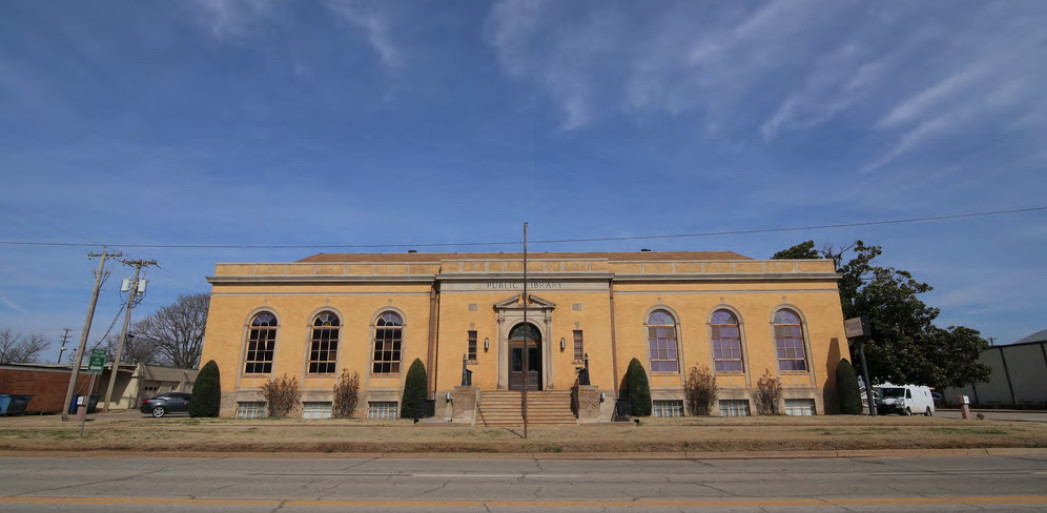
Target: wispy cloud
[(906, 75), (375, 26), (12, 305), (227, 18)]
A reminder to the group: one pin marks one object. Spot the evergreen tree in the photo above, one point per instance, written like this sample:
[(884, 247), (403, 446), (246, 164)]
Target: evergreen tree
[(206, 399), (850, 400), (414, 391), (638, 389)]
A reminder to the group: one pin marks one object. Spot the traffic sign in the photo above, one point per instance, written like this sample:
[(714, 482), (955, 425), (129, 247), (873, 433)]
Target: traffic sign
[(96, 363), (98, 352)]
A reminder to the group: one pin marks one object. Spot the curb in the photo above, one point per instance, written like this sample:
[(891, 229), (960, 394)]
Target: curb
[(595, 456)]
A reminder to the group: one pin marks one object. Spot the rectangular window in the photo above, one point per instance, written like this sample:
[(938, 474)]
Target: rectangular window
[(316, 410), (250, 410), (323, 351), (662, 344), (799, 407), (579, 347), (789, 342), (260, 347), (387, 342), (472, 345), (727, 348), (668, 408), (734, 408), (382, 410)]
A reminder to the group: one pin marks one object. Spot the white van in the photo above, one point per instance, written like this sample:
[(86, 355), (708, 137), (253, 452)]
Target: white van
[(904, 400)]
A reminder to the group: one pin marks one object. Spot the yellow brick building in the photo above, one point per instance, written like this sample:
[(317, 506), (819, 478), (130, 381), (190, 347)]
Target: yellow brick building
[(376, 313)]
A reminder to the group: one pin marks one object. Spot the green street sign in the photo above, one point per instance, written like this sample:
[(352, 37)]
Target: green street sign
[(96, 363), (98, 353)]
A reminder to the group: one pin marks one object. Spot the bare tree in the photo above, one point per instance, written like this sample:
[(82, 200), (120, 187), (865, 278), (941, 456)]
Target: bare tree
[(18, 348), (136, 349), (176, 332)]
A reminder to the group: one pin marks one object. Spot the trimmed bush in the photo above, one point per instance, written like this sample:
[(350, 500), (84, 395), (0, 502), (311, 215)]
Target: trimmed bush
[(638, 390), (701, 390), (415, 387), (346, 394), (847, 389), (206, 399)]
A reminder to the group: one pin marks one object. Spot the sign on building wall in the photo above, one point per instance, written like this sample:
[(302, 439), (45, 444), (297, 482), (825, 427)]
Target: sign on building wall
[(856, 327)]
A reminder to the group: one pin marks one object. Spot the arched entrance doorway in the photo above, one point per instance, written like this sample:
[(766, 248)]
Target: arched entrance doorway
[(525, 337)]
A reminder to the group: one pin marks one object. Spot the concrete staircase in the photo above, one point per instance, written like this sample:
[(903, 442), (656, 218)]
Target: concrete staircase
[(544, 408)]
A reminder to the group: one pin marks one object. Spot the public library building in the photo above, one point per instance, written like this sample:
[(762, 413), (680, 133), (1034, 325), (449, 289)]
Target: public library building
[(463, 316)]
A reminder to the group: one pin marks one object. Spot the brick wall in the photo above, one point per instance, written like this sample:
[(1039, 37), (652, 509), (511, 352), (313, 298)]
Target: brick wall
[(47, 386)]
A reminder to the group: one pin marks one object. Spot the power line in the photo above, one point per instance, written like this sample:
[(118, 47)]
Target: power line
[(551, 241)]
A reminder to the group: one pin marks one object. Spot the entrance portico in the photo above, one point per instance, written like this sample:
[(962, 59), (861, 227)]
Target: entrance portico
[(514, 336)]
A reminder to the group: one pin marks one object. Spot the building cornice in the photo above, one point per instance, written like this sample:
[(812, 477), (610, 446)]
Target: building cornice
[(288, 280), (531, 276)]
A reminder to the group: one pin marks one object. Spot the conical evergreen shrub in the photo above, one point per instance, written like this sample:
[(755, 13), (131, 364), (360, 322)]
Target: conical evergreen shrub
[(638, 389), (414, 391), (206, 399), (847, 389)]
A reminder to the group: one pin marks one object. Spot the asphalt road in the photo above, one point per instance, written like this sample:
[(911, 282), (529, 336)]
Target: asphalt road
[(103, 483)]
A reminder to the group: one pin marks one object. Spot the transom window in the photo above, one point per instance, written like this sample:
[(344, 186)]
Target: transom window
[(788, 339), (323, 348), (388, 340), (661, 342), (261, 343), (727, 342)]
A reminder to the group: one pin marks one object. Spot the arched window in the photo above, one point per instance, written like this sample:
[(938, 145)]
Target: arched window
[(261, 343), (727, 342), (661, 341), (323, 347), (388, 339), (788, 339)]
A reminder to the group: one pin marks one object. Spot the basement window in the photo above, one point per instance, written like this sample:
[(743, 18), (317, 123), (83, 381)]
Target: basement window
[(316, 410), (382, 410), (250, 410), (734, 408), (799, 407), (668, 409)]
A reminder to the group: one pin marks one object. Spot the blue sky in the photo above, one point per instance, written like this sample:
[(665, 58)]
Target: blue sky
[(245, 122)]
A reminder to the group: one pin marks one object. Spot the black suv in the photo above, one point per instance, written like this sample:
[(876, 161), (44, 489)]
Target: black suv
[(171, 402)]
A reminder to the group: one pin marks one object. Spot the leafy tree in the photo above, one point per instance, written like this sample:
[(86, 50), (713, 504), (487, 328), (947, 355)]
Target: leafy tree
[(638, 389), (905, 345), (176, 332), (801, 251), (415, 387), (850, 401), (18, 348), (206, 400)]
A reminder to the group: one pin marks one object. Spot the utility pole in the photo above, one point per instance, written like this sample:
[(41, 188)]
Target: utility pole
[(527, 343), (87, 328), (135, 286), (61, 350)]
